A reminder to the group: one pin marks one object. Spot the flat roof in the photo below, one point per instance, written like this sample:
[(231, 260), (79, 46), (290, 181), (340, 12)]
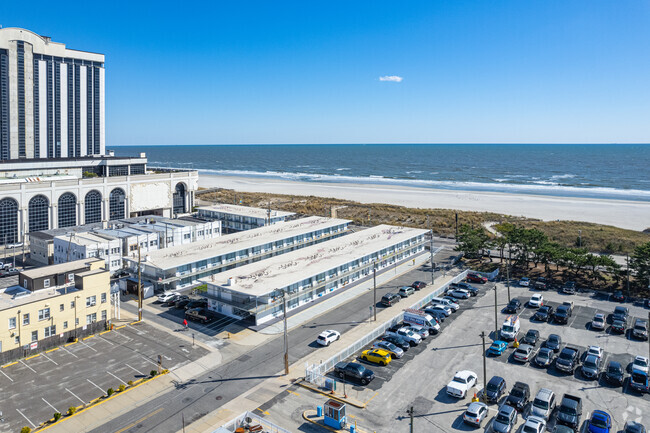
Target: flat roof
[(87, 238), (15, 296), (179, 255), (247, 211), (61, 268), (263, 277)]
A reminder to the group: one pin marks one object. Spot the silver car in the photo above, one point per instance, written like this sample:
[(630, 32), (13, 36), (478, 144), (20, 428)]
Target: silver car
[(475, 413), (505, 419), (396, 352), (419, 330)]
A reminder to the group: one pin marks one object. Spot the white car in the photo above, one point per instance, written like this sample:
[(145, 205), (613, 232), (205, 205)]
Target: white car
[(524, 282), (640, 363), (328, 337), (462, 382), (536, 301), (166, 296), (458, 294), (534, 424), (598, 322), (596, 351)]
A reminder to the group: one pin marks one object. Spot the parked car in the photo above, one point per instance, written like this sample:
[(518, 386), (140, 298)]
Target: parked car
[(495, 389), (614, 374), (535, 424), (475, 414), (598, 322), (377, 356), (618, 327), (9, 272), (531, 337), (544, 357), (462, 382), (600, 422), (640, 329), (197, 303), (438, 309), (523, 353), (634, 427), (553, 342), (541, 283), (166, 296), (467, 287), (355, 371), (639, 381), (590, 367), (181, 301), (395, 352), (476, 278), (458, 294), (437, 313), (570, 411), (543, 404), (171, 301), (497, 348), (569, 288), (567, 360), (596, 351), (513, 306), (418, 285), (544, 313), (328, 337), (620, 313), (519, 396), (202, 315), (419, 330), (408, 335), (504, 421), (640, 363), (405, 291), (524, 282), (451, 302), (536, 301), (397, 341), (390, 299), (562, 314), (618, 296)]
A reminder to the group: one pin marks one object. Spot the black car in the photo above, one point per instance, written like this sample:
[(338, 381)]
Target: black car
[(436, 314), (355, 371), (620, 313), (417, 285), (495, 389), (569, 287), (553, 342), (618, 326), (541, 283), (531, 337), (397, 341), (634, 427), (197, 303), (544, 313), (562, 314), (614, 374), (182, 301), (389, 299), (519, 396), (618, 296), (171, 301), (513, 306), (467, 287), (567, 360)]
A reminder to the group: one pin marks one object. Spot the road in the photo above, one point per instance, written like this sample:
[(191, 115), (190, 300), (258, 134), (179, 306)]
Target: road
[(205, 393)]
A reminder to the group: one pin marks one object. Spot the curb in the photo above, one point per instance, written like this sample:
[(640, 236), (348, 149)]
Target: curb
[(349, 401)]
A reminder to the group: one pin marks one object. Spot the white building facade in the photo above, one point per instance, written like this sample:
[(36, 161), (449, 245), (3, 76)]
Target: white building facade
[(89, 245), (236, 218)]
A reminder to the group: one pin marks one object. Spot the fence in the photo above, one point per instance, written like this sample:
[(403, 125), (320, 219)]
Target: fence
[(249, 419), (491, 276), (315, 374)]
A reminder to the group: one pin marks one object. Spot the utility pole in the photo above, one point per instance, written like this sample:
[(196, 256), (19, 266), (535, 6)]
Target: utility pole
[(374, 291), (508, 275), (139, 286), (286, 337), (432, 276), (484, 370), (410, 412), (627, 267), (496, 315)]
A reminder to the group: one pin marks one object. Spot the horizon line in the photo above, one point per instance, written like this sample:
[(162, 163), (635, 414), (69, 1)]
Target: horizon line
[(385, 143)]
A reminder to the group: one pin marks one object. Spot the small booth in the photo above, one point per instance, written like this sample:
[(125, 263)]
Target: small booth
[(334, 414)]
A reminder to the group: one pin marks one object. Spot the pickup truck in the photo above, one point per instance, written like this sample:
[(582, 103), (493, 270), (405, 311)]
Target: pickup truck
[(570, 411), (202, 315), (400, 331)]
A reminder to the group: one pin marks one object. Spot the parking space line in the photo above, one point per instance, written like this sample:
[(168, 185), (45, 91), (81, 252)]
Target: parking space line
[(95, 385), (108, 341), (69, 352), (21, 361), (116, 377), (149, 360), (139, 372), (50, 359), (90, 347), (136, 329), (82, 402), (6, 375), (33, 425), (48, 403)]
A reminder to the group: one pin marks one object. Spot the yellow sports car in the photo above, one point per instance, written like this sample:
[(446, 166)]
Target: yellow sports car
[(376, 356)]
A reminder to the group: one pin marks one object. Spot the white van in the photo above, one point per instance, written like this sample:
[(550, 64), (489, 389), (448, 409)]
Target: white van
[(420, 318), (510, 328), (445, 302)]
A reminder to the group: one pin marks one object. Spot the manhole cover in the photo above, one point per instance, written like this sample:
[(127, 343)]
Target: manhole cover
[(218, 397)]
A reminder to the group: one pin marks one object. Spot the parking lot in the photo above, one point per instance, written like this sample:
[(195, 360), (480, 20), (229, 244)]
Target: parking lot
[(419, 379), (33, 389)]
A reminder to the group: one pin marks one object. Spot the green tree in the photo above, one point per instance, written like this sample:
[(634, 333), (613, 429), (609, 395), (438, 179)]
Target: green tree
[(640, 265), (472, 240)]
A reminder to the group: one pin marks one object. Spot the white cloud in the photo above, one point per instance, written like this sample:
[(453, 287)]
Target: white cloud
[(393, 78)]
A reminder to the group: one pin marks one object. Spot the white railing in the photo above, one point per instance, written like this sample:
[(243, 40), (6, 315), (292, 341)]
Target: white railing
[(250, 419), (315, 373)]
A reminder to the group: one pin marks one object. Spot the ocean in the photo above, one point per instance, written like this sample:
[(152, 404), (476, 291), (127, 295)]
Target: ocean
[(613, 171)]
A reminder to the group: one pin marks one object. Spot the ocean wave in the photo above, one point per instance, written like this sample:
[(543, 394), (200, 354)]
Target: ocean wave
[(539, 187), (563, 176)]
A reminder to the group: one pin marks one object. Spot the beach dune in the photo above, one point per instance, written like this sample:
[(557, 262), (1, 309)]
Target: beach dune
[(634, 215)]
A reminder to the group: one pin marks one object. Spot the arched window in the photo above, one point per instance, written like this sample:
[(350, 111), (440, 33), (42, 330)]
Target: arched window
[(8, 221), (93, 207), (117, 204), (67, 210), (39, 208), (179, 198)]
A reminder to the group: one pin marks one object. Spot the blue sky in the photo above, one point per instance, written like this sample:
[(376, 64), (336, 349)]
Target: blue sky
[(309, 71)]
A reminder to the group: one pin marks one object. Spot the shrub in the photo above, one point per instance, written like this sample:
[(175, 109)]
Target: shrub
[(57, 416), (130, 383), (25, 430), (152, 373), (110, 391), (121, 388), (72, 410)]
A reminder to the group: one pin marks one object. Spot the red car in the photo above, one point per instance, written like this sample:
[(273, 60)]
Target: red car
[(476, 278)]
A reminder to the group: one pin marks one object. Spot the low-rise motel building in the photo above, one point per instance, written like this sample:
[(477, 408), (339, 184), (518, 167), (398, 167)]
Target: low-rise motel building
[(255, 292), (53, 305), (183, 265), (236, 218)]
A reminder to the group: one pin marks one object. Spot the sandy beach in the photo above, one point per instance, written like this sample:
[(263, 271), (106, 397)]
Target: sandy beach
[(625, 214)]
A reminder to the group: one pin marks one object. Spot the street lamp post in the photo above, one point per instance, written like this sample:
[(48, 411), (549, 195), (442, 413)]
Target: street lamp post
[(431, 248), (484, 369), (374, 291), (286, 337), (508, 275), (496, 320)]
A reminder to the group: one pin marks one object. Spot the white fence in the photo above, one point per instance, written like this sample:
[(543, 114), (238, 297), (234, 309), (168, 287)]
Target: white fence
[(315, 373), (250, 419)]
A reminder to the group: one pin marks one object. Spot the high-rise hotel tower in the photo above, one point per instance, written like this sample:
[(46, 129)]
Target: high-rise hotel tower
[(51, 98)]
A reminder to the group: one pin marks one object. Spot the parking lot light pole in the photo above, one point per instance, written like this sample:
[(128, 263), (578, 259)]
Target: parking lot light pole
[(374, 291), (286, 338), (431, 248), (496, 320), (484, 370)]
